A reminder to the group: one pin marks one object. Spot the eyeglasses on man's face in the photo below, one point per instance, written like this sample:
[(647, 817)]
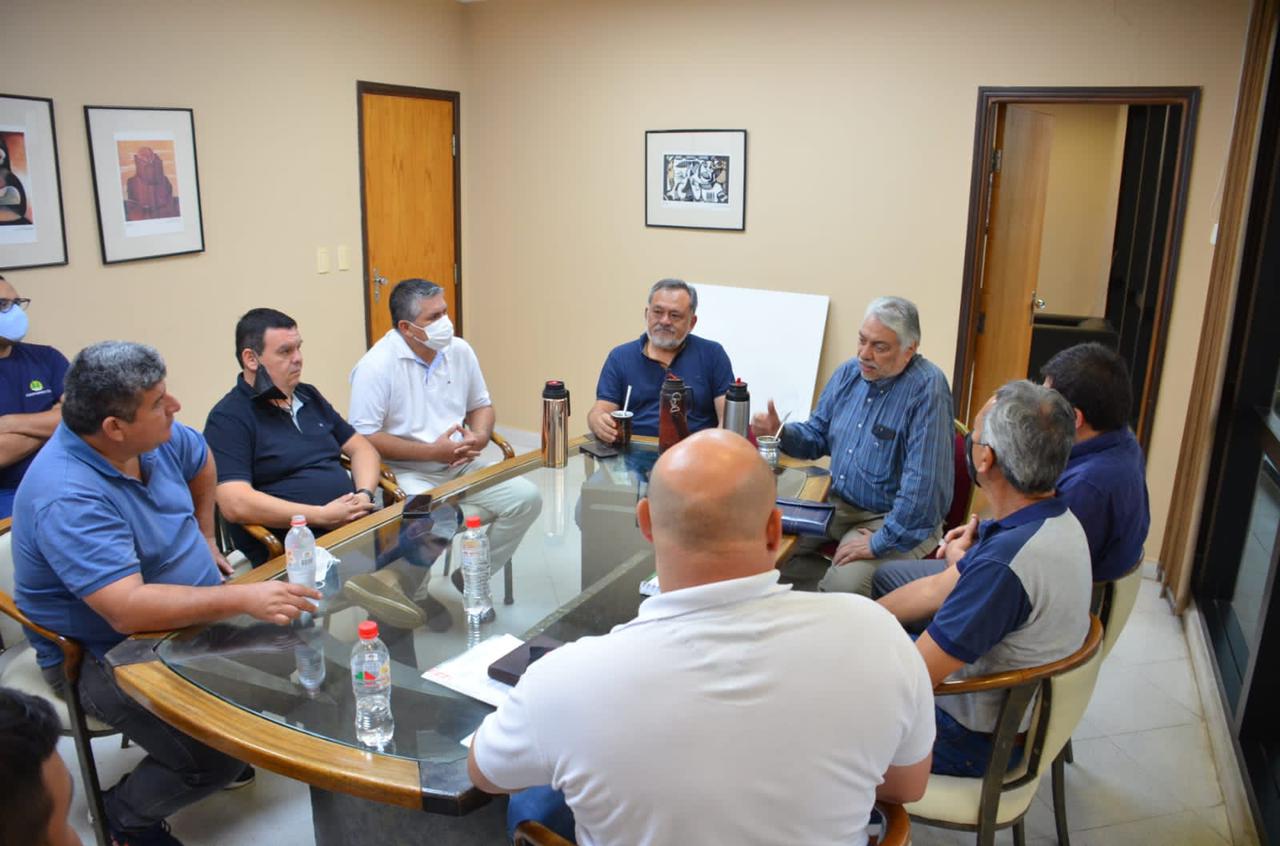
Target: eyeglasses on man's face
[(20, 302)]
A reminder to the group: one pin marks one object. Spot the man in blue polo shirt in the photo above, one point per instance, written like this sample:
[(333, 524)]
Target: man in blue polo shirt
[(279, 443), (113, 534), (30, 390), (666, 347), (1015, 591), (1105, 482)]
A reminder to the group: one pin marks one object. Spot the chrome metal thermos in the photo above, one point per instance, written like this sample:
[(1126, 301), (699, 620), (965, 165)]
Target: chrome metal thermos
[(555, 424), (737, 408)]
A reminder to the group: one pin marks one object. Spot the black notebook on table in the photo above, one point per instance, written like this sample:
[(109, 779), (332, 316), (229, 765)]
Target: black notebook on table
[(801, 517)]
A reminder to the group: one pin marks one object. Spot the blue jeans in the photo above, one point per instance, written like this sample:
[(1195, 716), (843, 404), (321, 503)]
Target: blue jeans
[(545, 805), (957, 751)]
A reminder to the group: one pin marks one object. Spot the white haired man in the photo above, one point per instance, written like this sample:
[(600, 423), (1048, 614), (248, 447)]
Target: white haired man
[(885, 418)]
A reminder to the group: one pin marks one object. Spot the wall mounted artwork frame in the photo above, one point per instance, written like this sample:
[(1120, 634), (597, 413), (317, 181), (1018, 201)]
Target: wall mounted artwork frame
[(695, 178), (145, 181), (33, 231)]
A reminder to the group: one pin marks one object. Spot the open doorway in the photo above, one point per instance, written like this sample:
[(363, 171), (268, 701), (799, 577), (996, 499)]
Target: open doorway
[(1075, 219)]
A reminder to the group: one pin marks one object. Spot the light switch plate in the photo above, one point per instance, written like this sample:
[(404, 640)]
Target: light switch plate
[(344, 257), (322, 259)]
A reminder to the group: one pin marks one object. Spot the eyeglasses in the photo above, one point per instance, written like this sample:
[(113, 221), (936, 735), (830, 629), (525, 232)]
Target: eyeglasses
[(20, 302)]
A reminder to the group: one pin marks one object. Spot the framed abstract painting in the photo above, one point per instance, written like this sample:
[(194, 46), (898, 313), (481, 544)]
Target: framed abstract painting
[(145, 181), (695, 178)]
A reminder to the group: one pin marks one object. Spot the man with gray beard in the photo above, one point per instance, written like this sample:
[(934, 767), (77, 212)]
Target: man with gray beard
[(666, 347)]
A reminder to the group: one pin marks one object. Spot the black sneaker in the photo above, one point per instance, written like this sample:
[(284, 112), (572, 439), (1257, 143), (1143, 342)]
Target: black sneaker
[(156, 835), (246, 777)]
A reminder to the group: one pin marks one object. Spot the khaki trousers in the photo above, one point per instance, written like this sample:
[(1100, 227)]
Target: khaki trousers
[(807, 569)]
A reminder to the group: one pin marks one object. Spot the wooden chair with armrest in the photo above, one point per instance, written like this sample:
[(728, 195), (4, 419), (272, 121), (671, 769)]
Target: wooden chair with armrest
[(21, 672), (1059, 693), (895, 830)]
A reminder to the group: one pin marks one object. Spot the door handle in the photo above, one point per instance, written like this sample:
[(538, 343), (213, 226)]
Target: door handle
[(378, 281), (1037, 302)]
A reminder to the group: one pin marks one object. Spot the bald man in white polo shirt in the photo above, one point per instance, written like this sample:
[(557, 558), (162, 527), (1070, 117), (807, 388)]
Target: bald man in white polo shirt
[(731, 709), (418, 395)]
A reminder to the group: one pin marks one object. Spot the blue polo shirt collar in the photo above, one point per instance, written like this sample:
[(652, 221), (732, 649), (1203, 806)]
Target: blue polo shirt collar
[(84, 452), (1100, 442), (1042, 510), (644, 338)]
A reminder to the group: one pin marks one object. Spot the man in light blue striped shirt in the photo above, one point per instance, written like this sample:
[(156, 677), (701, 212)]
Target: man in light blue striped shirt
[(885, 418)]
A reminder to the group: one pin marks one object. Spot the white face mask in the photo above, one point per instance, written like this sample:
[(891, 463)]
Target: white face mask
[(439, 333)]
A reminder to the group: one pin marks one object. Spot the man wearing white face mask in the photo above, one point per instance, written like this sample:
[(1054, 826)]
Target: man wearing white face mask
[(30, 394), (418, 395)]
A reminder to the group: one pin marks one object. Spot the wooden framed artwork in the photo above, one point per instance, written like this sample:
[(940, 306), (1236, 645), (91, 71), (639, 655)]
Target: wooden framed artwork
[(32, 228), (695, 178), (145, 181)]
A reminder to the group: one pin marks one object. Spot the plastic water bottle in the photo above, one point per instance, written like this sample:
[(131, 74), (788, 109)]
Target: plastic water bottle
[(371, 683), (300, 552), (310, 663), (476, 600)]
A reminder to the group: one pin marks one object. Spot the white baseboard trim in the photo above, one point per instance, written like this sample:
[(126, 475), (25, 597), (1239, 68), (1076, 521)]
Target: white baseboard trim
[(1230, 777)]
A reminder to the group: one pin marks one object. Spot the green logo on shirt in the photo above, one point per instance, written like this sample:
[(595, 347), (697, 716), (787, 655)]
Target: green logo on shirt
[(37, 385)]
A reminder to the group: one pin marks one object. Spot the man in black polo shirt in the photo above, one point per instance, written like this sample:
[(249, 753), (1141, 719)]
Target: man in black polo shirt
[(277, 441)]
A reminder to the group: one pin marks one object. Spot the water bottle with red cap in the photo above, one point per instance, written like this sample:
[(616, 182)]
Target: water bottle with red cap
[(476, 599), (371, 683)]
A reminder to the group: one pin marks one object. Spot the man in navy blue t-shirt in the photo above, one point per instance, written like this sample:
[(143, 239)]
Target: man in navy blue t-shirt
[(666, 347), (279, 443), (30, 391), (1015, 591), (1105, 483)]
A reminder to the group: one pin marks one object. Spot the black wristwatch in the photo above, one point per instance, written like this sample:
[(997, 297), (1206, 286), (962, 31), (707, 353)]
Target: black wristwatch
[(367, 493)]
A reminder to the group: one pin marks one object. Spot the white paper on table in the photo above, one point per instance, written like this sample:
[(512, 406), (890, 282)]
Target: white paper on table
[(324, 560), (466, 741), (469, 672)]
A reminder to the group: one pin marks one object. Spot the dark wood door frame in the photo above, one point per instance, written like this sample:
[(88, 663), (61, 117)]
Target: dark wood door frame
[(989, 101), (362, 88)]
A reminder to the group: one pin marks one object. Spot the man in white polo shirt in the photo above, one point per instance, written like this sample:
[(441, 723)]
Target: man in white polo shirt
[(418, 395), (731, 709)]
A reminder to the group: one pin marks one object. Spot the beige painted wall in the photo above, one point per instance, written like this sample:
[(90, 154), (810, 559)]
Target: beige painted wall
[(860, 117), (273, 86), (861, 121), (1080, 209)]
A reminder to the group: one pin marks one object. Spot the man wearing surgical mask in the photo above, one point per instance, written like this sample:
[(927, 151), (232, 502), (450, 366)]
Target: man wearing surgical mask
[(278, 442), (30, 394), (418, 395)]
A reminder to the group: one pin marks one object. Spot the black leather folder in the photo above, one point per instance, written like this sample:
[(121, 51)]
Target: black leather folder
[(801, 517), (510, 667)]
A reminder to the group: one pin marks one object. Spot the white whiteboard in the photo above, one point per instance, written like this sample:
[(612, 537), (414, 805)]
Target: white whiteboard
[(773, 338)]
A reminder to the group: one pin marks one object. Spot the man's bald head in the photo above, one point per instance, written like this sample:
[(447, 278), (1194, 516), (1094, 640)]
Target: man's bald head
[(708, 490)]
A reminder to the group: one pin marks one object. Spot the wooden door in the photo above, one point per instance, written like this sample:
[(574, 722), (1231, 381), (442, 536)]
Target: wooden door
[(409, 169), (1024, 138)]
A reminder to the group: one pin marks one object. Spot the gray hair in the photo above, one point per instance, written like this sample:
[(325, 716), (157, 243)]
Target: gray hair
[(108, 379), (899, 315), (1031, 429), (406, 296), (676, 285)]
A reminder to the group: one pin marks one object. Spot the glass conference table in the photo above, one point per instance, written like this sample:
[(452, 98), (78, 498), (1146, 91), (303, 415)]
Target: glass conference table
[(235, 686)]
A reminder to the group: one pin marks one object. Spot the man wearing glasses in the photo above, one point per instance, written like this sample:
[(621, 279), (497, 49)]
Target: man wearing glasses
[(30, 394)]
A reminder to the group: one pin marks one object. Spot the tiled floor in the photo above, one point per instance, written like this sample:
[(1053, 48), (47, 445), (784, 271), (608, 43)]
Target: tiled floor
[(1143, 772)]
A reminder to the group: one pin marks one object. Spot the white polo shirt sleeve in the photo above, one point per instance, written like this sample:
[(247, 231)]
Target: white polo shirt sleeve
[(477, 390), (917, 740), (370, 395), (506, 744)]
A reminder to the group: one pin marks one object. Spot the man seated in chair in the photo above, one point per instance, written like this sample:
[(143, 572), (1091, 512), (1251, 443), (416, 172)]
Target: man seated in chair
[(113, 534), (731, 709), (279, 443), (885, 419), (418, 395), (1015, 589), (1105, 483)]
